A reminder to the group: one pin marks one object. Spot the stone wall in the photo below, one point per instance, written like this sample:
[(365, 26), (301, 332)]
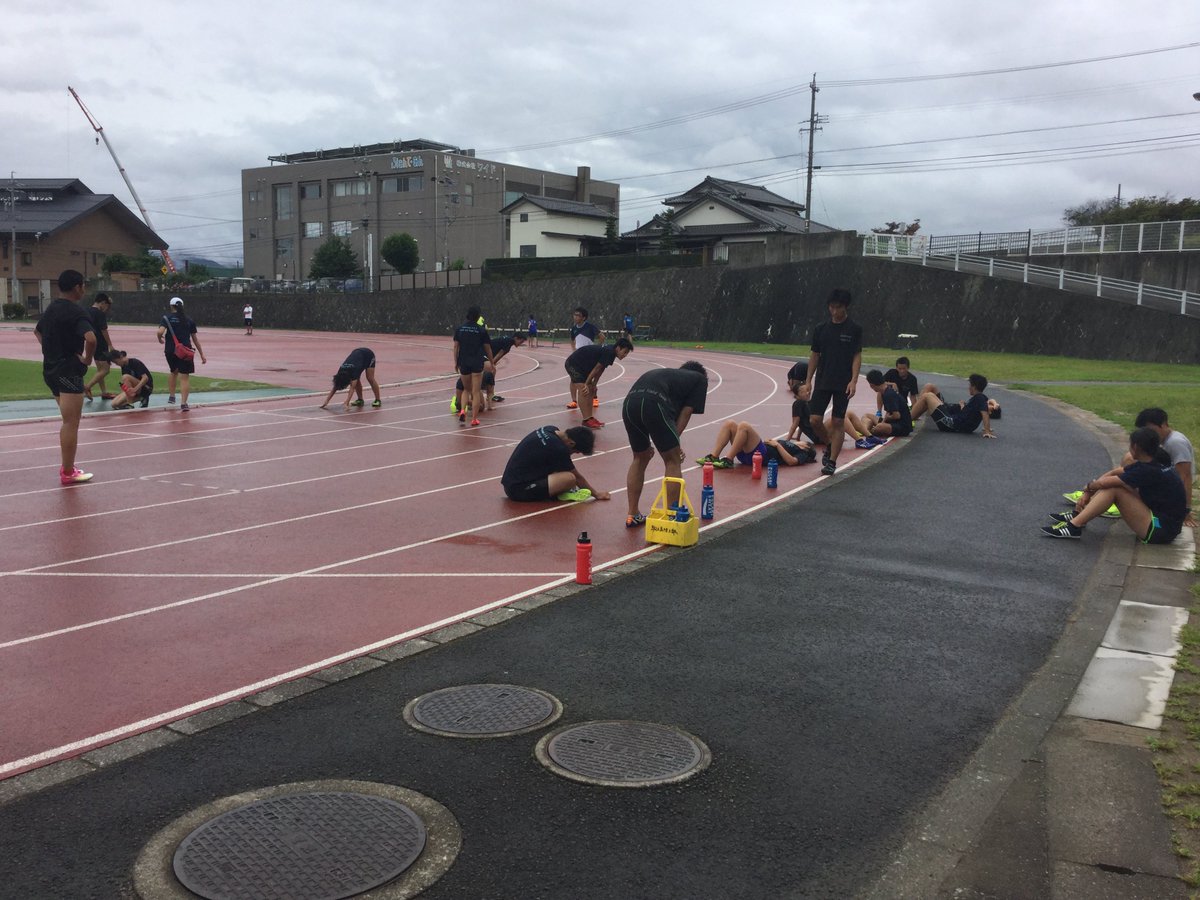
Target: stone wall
[(777, 303)]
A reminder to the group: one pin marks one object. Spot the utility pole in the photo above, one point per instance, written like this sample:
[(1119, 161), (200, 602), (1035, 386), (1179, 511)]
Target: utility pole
[(12, 242), (813, 122)]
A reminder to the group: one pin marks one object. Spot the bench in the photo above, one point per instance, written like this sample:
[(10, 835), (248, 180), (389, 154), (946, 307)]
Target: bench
[(905, 341), (643, 332)]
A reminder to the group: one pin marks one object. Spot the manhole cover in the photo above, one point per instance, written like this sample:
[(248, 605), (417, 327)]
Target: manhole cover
[(482, 710), (321, 846), (623, 754)]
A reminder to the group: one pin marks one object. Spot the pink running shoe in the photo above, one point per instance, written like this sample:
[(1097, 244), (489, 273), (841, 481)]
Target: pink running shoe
[(75, 476)]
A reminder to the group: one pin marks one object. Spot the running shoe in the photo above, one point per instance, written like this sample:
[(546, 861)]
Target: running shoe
[(462, 416), (453, 405), (593, 422), (377, 404), (1111, 513), (863, 444), (876, 441), (572, 405), (635, 520), (145, 402), (1072, 496), (576, 496), (356, 403), (707, 458), (1063, 530), (724, 463), (496, 398), (171, 399), (183, 407), (474, 421), (829, 467), (75, 476), (1063, 516)]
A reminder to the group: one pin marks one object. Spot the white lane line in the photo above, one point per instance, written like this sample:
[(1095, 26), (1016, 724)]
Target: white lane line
[(243, 575)]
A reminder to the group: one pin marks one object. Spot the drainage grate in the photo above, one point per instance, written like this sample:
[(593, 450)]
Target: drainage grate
[(623, 754), (321, 846), (482, 710)]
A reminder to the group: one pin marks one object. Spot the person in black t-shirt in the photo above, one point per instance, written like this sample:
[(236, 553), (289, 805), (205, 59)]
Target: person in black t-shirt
[(182, 333), (656, 411), (360, 362), (98, 314), (584, 368), (801, 418), (472, 349), (500, 349), (798, 375), (1147, 493), (962, 417), (136, 381), (68, 342), (904, 381), (540, 466), (833, 366), (895, 420)]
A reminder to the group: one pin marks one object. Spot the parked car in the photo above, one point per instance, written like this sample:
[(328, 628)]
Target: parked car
[(352, 285), (329, 284)]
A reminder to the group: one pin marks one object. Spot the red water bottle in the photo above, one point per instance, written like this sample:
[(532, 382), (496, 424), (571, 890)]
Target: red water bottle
[(583, 560), (756, 465), (708, 475)]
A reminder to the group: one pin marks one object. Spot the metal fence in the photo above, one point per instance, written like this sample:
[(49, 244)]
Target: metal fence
[(1130, 237)]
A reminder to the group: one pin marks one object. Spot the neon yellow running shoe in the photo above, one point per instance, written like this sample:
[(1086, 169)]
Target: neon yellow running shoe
[(1073, 496), (576, 496), (1112, 512), (454, 404)]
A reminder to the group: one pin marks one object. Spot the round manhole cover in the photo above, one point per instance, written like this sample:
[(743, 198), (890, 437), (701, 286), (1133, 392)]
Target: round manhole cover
[(482, 710), (320, 846), (623, 754)]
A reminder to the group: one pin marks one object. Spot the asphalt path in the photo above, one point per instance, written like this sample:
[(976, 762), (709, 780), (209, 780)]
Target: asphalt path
[(842, 657)]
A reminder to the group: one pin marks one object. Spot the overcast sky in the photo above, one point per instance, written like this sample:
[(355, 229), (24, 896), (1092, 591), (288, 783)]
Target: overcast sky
[(652, 95)]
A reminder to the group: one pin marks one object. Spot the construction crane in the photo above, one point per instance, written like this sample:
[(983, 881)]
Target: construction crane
[(99, 129)]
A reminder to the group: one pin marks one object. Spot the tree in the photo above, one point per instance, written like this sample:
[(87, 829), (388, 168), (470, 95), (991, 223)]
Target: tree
[(1140, 209), (667, 242), (197, 272), (334, 259), (400, 251), (612, 240), (904, 228)]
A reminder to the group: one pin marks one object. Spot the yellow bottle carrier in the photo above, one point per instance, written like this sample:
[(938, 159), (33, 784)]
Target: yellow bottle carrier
[(675, 525)]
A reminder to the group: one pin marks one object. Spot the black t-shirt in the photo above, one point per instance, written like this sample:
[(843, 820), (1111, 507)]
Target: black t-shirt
[(539, 454), (183, 328), (359, 360), (1160, 489), (969, 417), (471, 338), (838, 344), (894, 403), (798, 372), (585, 358), (907, 386), (801, 411), (138, 370), (501, 345), (676, 387), (99, 325), (62, 327)]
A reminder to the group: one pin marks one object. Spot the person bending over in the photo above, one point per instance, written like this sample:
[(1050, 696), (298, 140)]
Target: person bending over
[(540, 466), (136, 381), (361, 361)]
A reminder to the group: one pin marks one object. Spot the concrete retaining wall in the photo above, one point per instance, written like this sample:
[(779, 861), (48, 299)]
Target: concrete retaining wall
[(778, 303)]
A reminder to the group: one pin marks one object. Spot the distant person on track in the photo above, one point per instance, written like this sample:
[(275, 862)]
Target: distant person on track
[(472, 349), (136, 381), (540, 466), (584, 368), (501, 346), (182, 333), (656, 411), (98, 314), (962, 417), (833, 366), (68, 342), (1147, 493), (744, 441), (248, 318), (584, 333), (533, 331), (627, 325), (360, 362)]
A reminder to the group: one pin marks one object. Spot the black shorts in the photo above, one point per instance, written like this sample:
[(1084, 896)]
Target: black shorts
[(102, 355), (180, 366), (66, 378), (529, 491), (577, 377), (1158, 534), (470, 368), (249, 321), (899, 430), (649, 418), (943, 418), (820, 400)]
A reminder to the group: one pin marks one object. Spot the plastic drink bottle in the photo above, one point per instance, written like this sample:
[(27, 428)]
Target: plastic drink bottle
[(583, 559), (708, 474), (773, 473), (756, 465), (707, 501)]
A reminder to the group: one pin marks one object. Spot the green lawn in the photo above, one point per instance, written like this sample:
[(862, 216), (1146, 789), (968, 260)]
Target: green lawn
[(22, 380)]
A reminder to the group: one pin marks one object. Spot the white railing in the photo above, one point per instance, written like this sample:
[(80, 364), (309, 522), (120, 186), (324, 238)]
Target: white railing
[(1130, 237), (1137, 293)]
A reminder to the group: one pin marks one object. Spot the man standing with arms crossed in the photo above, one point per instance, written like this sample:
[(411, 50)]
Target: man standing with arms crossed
[(68, 342), (833, 366)]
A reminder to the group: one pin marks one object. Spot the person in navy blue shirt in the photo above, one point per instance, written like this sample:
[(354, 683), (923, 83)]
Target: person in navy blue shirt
[(472, 349), (895, 420), (1148, 493), (962, 417), (360, 362), (540, 466)]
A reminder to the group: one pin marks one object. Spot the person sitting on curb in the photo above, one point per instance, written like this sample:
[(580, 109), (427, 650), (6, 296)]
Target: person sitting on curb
[(896, 420), (540, 466), (1177, 448), (962, 417), (1148, 495), (743, 441)]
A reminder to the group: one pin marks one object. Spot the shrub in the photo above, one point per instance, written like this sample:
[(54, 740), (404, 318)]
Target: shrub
[(14, 310)]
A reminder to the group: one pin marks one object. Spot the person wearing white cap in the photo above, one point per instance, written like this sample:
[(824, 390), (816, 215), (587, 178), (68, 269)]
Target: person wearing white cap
[(179, 350)]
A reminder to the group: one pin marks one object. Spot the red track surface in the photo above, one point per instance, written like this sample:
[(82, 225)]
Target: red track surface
[(221, 551)]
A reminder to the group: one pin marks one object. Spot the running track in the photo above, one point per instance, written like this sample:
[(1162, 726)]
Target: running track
[(223, 551)]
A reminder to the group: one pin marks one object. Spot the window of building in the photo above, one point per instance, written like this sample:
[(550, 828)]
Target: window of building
[(353, 187), (253, 196), (524, 217), (469, 194), (560, 193), (283, 247), (310, 191), (528, 251), (313, 229), (403, 184), (283, 201), (26, 258), (252, 233), (341, 228)]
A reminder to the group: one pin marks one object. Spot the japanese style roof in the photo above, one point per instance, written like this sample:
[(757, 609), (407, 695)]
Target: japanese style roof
[(564, 207), (45, 206)]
